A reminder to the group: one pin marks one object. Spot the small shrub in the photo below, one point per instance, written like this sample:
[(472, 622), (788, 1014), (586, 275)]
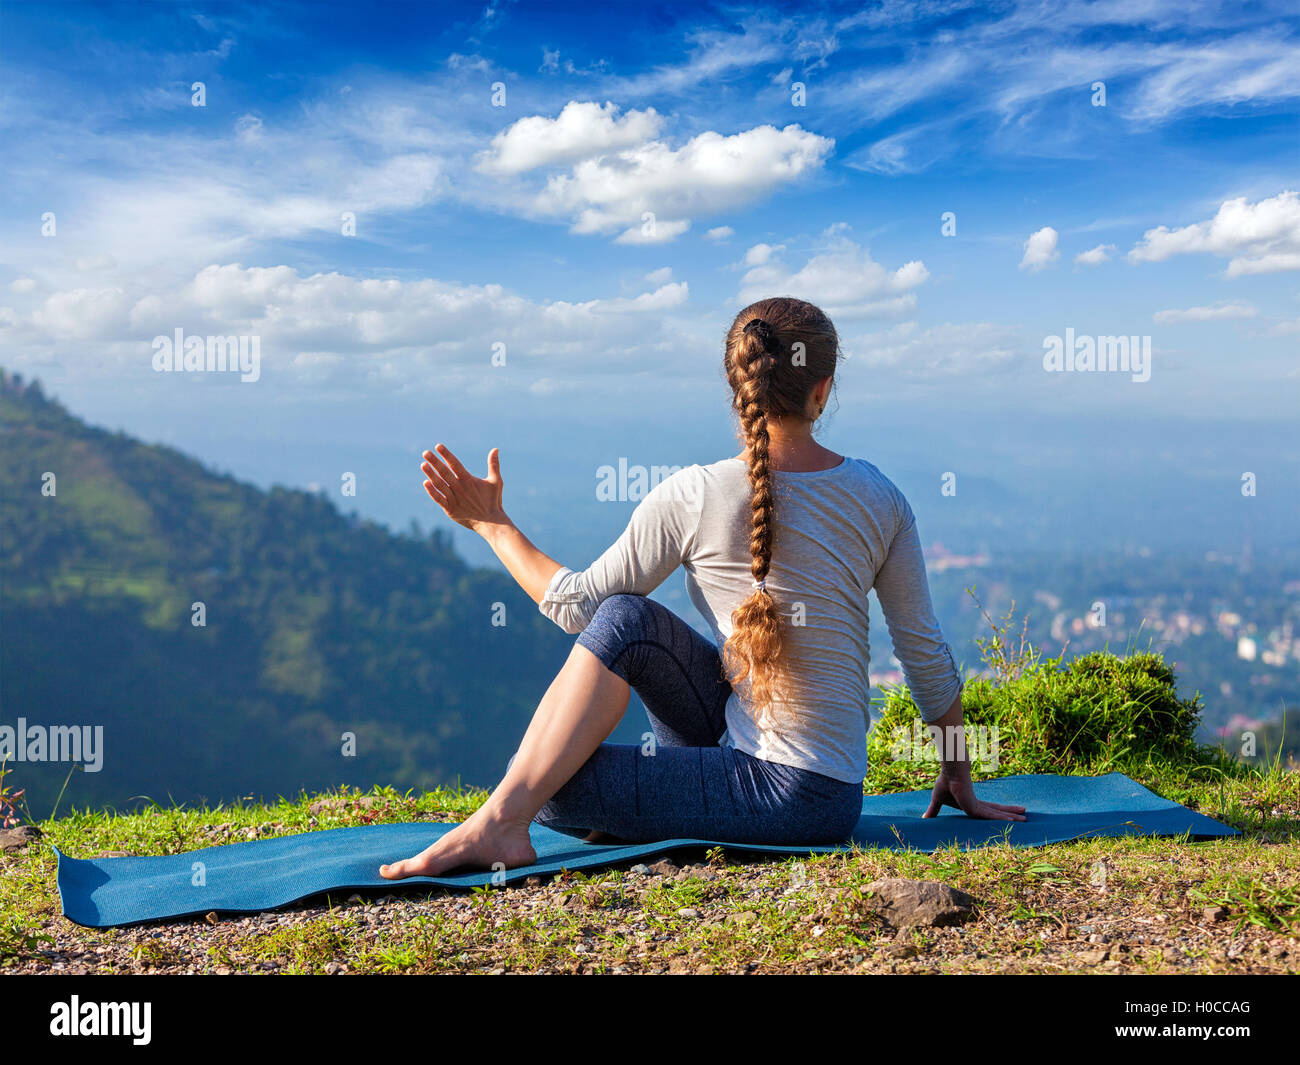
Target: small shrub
[(1096, 711)]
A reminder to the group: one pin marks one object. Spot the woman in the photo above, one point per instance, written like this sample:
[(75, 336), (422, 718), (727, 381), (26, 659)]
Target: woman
[(760, 734)]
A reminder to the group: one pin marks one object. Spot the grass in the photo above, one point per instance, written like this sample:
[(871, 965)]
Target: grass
[(787, 915), (1132, 904)]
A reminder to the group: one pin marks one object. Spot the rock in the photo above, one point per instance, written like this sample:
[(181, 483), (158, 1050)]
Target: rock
[(1214, 913), (1091, 957), (211, 917), (904, 950), (664, 867), (14, 839), (640, 870), (925, 903), (334, 968), (688, 912)]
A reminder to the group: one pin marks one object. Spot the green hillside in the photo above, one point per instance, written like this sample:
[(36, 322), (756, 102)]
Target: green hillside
[(317, 624)]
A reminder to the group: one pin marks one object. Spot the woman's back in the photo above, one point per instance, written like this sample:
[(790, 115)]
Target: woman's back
[(839, 533)]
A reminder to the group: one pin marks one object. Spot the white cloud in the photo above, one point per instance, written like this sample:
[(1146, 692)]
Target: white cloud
[(90, 264), (1037, 63), (1257, 238), (653, 231), (844, 280), (659, 277), (709, 173), (720, 233), (22, 285), (760, 253), (1206, 314), (328, 320), (940, 350), (1040, 250), (885, 156), (1095, 256), (83, 313), (583, 130), (716, 55), (248, 128)]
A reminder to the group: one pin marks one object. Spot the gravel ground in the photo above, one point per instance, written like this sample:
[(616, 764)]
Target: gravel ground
[(605, 926)]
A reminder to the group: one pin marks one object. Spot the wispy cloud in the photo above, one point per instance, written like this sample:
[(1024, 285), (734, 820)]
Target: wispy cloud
[(1218, 312)]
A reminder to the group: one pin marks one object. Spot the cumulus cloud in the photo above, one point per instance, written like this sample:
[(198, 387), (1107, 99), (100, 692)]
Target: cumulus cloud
[(1256, 238), (583, 130), (760, 253), (83, 313), (711, 172), (1095, 256), (844, 280), (720, 233), (1040, 250), (324, 319), (1207, 314)]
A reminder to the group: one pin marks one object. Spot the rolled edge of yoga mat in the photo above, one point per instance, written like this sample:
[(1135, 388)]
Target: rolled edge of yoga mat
[(258, 875)]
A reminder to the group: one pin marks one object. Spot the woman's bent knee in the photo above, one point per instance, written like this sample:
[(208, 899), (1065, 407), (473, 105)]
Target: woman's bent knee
[(619, 622), (623, 609)]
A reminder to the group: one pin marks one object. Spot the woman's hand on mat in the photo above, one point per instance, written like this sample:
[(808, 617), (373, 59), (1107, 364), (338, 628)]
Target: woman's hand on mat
[(954, 788), (467, 500)]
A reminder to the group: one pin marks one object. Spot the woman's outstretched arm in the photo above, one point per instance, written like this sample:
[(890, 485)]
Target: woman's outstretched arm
[(931, 672), (475, 503)]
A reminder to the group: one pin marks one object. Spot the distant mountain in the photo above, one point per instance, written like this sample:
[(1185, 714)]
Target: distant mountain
[(318, 625)]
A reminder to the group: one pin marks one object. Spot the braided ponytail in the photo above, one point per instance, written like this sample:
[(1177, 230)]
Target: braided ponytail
[(768, 378), (755, 642)]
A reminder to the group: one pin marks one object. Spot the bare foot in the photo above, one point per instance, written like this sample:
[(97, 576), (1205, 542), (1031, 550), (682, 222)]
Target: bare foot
[(479, 843)]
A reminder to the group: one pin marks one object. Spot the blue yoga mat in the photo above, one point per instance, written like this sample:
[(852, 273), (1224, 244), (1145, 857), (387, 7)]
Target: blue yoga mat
[(263, 874)]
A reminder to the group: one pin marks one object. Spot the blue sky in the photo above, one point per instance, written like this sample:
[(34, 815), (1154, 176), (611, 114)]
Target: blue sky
[(1170, 212)]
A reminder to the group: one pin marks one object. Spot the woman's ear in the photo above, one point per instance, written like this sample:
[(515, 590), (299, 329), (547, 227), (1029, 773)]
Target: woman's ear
[(823, 391)]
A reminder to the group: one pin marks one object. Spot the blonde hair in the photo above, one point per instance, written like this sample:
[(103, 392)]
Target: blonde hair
[(776, 350)]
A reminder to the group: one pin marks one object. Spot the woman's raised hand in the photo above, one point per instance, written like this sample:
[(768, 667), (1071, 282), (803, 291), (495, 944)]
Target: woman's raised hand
[(468, 500)]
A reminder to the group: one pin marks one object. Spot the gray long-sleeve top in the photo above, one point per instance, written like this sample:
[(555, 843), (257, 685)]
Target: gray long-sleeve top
[(839, 533)]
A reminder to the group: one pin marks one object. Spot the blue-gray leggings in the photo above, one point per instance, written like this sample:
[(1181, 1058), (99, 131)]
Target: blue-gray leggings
[(689, 787)]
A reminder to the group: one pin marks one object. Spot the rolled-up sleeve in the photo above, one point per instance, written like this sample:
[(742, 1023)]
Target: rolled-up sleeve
[(657, 540), (904, 593)]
